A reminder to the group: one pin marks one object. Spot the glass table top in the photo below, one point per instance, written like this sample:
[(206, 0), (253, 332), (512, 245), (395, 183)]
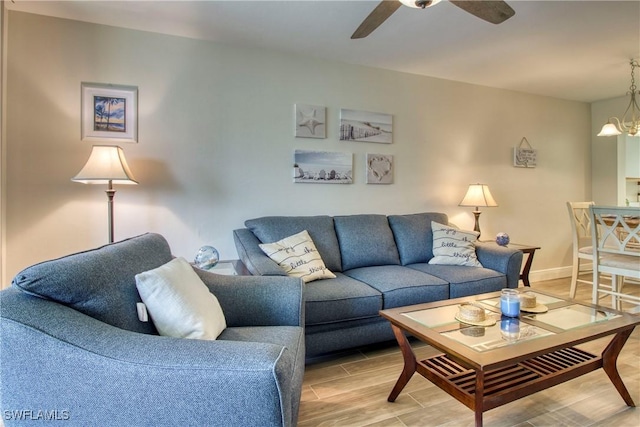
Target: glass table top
[(509, 331)]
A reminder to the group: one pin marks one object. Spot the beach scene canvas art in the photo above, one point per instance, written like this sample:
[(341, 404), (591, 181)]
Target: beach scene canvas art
[(322, 167)]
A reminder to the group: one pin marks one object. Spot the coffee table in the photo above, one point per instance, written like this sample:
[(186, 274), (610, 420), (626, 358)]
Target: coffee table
[(486, 367)]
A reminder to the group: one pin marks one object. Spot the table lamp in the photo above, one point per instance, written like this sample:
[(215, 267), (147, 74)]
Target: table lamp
[(478, 195), (106, 165)]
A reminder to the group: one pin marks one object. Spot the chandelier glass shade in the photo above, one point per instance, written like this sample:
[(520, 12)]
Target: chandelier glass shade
[(630, 122)]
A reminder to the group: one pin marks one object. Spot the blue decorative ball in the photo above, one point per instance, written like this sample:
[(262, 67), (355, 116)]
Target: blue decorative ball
[(502, 239), (207, 257)]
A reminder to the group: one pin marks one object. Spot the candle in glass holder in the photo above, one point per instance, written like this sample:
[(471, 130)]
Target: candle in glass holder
[(510, 303)]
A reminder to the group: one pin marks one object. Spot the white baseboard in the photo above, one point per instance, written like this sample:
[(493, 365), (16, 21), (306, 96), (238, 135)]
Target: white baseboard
[(549, 274), (555, 273)]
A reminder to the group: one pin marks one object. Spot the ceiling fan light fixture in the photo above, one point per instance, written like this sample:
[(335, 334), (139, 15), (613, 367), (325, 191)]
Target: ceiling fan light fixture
[(419, 4)]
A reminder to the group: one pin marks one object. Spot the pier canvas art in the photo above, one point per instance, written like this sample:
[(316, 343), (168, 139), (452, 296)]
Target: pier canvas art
[(365, 126)]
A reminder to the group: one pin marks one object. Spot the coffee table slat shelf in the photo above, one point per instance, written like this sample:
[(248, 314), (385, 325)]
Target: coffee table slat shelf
[(510, 383)]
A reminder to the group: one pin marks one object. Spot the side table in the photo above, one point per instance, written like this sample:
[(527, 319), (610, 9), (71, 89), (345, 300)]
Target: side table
[(233, 267), (525, 249)]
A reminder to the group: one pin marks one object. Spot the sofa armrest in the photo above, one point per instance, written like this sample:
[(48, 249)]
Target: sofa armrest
[(57, 359), (252, 256), (257, 300), (504, 260)]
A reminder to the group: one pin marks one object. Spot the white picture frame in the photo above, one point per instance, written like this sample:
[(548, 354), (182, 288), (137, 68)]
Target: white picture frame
[(109, 113)]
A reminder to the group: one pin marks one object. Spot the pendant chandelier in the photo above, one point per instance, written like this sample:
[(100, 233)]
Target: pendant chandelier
[(632, 126)]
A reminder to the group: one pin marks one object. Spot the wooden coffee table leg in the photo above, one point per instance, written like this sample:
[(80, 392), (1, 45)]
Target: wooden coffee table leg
[(609, 359), (479, 397), (409, 363)]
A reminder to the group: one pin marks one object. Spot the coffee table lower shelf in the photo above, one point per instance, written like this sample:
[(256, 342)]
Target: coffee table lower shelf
[(510, 383)]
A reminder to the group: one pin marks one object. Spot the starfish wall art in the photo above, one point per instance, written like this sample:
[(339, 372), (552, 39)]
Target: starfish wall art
[(310, 121)]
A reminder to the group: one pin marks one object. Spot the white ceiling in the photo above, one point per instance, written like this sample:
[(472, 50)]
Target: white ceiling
[(576, 50)]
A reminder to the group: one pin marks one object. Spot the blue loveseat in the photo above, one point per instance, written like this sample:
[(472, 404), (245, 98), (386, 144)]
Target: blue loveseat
[(380, 262), (73, 348)]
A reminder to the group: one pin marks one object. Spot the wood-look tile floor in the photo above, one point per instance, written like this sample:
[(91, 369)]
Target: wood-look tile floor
[(351, 389)]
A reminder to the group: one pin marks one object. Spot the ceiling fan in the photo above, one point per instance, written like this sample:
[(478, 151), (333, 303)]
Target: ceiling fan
[(491, 11)]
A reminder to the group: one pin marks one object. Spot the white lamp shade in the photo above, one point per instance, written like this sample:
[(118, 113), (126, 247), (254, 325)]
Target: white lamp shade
[(609, 130), (478, 195), (106, 163)]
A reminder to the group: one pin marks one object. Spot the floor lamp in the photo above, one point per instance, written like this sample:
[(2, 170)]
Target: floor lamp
[(106, 165), (478, 195)]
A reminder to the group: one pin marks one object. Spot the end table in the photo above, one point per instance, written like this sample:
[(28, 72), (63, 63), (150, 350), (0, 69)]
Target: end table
[(525, 249)]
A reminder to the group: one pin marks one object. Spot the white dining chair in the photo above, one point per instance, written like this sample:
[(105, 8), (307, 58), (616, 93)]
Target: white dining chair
[(581, 238), (615, 235)]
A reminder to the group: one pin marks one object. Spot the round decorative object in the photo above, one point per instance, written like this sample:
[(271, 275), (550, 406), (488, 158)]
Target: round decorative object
[(502, 239), (207, 257)]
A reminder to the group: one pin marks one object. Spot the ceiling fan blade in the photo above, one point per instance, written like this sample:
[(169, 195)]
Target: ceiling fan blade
[(491, 11), (380, 14)]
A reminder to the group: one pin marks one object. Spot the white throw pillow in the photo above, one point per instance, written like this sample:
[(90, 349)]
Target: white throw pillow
[(179, 303), (454, 247), (298, 256)]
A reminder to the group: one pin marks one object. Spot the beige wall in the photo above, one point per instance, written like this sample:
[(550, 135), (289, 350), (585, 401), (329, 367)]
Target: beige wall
[(216, 144)]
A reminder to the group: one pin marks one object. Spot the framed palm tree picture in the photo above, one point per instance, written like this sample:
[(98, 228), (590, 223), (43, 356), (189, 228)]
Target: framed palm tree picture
[(109, 113)]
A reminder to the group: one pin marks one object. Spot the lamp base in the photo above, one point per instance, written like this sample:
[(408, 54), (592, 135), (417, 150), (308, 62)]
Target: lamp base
[(110, 193), (476, 214)]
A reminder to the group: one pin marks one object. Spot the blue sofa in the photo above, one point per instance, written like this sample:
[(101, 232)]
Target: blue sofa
[(73, 348), (380, 262)]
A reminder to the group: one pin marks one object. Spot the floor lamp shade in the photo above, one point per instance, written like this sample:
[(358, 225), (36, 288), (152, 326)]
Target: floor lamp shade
[(106, 165), (478, 195)]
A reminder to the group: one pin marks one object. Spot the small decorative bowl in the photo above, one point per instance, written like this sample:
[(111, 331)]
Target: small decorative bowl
[(502, 239)]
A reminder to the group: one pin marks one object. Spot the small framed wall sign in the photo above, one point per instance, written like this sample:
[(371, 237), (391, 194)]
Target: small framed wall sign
[(109, 113), (524, 155)]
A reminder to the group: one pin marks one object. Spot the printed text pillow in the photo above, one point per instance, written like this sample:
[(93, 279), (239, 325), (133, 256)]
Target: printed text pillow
[(454, 247), (298, 256)]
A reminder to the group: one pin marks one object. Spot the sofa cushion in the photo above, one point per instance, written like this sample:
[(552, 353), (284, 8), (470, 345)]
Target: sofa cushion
[(452, 246), (413, 235), (464, 281), (273, 228), (179, 303), (401, 285), (99, 282), (365, 240), (340, 299), (298, 257)]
